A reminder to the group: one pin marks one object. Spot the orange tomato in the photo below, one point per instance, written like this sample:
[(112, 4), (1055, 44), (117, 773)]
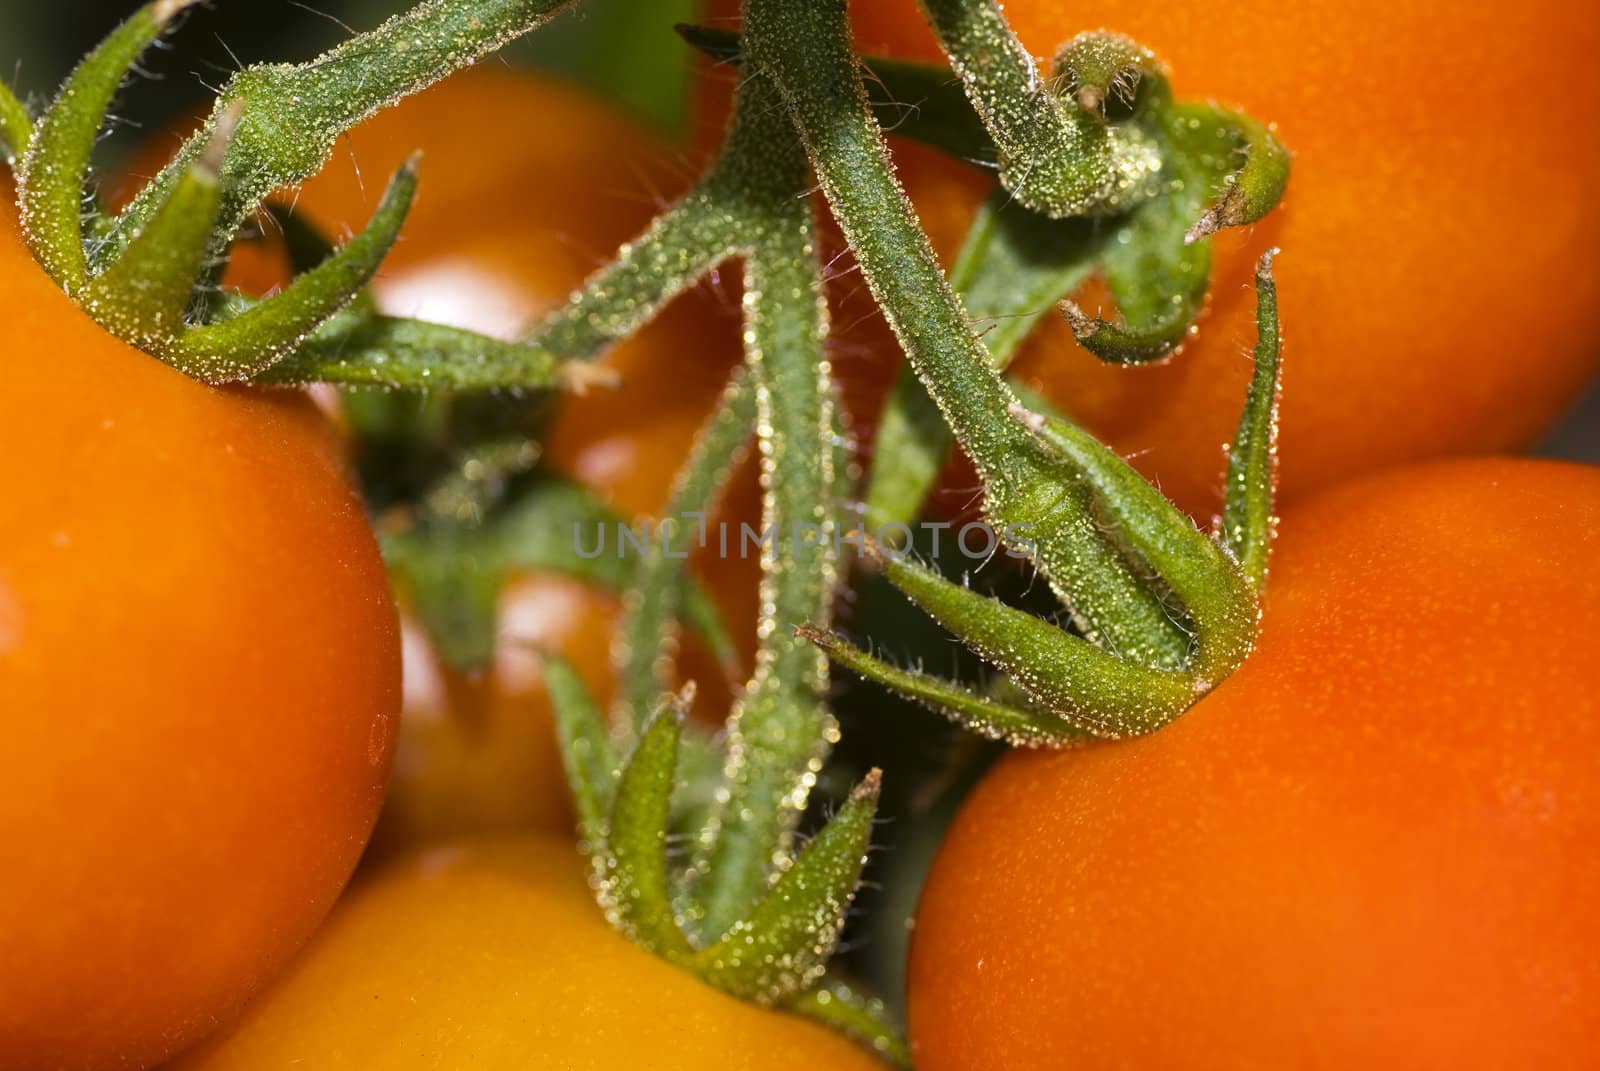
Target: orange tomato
[(493, 955), (199, 679), (1370, 847), (528, 186), (1434, 284)]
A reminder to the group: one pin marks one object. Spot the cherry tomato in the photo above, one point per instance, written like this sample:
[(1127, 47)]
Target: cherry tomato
[(199, 679), (529, 185), (1372, 846), (1439, 221), (493, 955)]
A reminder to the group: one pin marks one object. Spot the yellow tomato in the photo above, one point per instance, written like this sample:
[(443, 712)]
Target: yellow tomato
[(493, 955)]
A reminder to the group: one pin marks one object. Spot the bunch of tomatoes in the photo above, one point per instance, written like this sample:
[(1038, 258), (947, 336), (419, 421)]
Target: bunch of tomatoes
[(1372, 846)]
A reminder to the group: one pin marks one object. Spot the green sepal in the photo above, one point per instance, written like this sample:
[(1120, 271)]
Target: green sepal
[(361, 348), (1256, 185), (1088, 688), (984, 715), (55, 168), (293, 114), (1247, 514), (587, 754), (16, 126), (143, 296), (783, 946), (634, 886), (1015, 265), (252, 342), (853, 1011), (1213, 597)]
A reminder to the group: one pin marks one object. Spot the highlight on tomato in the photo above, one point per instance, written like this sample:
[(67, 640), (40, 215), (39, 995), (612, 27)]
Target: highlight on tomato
[(1365, 848)]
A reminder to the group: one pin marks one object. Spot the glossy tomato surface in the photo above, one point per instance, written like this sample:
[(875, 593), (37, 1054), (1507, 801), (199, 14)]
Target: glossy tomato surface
[(1436, 285), (1373, 846), (493, 955), (199, 679)]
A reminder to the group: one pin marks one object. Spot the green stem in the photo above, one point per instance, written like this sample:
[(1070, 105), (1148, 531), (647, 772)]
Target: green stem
[(1055, 161), (805, 47), (646, 636), (781, 728), (293, 115), (1010, 271)]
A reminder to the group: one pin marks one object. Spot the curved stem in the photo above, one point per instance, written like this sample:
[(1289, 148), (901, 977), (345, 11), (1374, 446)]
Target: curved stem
[(781, 728), (293, 114), (1056, 161), (805, 45)]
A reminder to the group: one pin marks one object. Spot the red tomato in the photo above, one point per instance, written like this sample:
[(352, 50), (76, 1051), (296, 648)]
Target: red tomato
[(1434, 285), (493, 955), (1372, 846), (199, 678)]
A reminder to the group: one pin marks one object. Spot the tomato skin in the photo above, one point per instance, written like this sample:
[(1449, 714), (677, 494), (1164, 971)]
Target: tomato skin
[(199, 680), (1433, 287), (493, 955), (1367, 848)]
